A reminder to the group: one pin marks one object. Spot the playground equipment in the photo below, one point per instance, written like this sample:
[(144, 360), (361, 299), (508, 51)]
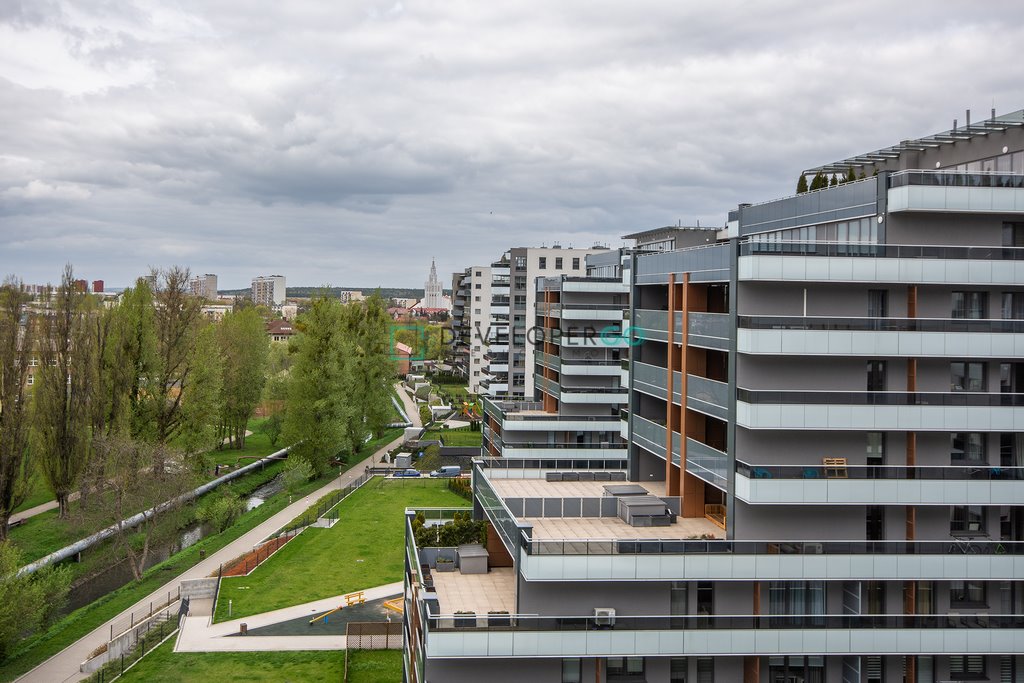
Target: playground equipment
[(470, 410), (351, 599), (395, 604)]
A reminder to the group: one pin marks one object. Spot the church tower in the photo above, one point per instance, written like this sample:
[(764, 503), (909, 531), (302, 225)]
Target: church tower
[(432, 297)]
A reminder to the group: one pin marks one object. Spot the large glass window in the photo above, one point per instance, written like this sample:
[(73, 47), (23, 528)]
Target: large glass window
[(542, 263), (967, 519), (572, 671), (625, 669), (967, 594), (558, 263), (970, 305), (876, 375), (795, 598), (966, 376), (966, 448), (796, 670), (677, 669), (967, 667), (1013, 306)]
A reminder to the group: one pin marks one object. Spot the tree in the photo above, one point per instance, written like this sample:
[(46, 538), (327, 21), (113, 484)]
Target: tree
[(134, 352), (850, 175), (801, 184), (29, 601), (272, 427), (245, 347), (314, 413), (202, 397), (131, 486), (16, 345), (818, 181), (377, 365), (177, 318), (62, 396)]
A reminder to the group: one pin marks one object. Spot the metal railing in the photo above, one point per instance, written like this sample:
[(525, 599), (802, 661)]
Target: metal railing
[(946, 178), (765, 322), (756, 247), (979, 472), (137, 616), (882, 398), (160, 627)]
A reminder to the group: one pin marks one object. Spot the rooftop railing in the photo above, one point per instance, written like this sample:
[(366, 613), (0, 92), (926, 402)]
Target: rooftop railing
[(754, 246), (767, 322), (945, 178), (977, 472), (881, 398)]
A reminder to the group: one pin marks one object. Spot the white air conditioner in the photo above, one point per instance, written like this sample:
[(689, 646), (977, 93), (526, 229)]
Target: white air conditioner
[(604, 616)]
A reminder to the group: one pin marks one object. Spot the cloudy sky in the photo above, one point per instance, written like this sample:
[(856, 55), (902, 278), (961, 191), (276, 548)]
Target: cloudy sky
[(346, 142)]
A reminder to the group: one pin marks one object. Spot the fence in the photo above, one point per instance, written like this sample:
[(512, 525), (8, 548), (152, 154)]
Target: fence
[(373, 635), (140, 642), (324, 506), (137, 617)]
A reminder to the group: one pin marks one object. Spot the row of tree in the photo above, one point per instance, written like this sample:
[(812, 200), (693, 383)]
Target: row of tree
[(149, 376), (338, 386), (821, 180)]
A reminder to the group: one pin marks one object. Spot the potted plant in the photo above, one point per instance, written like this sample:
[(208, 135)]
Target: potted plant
[(465, 619), (499, 618), (445, 564)]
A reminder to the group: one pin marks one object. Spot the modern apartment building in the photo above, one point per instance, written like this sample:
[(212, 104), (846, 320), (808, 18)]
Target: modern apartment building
[(824, 455), (471, 318), (581, 380), (268, 290), (204, 286)]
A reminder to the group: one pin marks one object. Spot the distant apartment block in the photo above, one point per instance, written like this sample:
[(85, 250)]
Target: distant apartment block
[(268, 290), (97, 286), (204, 286), (349, 295), (471, 317)]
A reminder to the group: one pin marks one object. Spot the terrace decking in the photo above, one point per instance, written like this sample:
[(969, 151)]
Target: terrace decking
[(540, 488), (480, 593), (614, 528)]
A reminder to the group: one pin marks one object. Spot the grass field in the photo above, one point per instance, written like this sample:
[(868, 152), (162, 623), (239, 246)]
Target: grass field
[(455, 437), (364, 549), (164, 666), (374, 666), (66, 630)]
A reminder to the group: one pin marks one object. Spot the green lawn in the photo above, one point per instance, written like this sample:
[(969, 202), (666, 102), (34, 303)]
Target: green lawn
[(374, 666), (66, 630), (38, 494), (164, 666), (364, 549), (455, 437)]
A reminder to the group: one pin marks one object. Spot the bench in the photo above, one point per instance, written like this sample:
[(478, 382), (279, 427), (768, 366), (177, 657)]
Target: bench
[(835, 468), (715, 514)]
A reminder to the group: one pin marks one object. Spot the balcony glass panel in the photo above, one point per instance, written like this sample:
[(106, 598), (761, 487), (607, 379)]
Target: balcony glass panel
[(881, 324), (880, 398), (707, 463)]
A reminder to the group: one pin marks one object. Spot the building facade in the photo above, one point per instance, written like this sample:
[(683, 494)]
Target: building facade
[(204, 286), (824, 423), (268, 290), (432, 291)]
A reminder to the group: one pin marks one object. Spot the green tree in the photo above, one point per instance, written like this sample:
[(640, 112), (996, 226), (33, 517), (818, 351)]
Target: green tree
[(62, 397), (801, 184), (17, 327), (314, 413), (272, 427), (134, 362), (28, 601), (296, 473), (850, 175), (203, 396), (377, 365), (818, 181), (245, 347)]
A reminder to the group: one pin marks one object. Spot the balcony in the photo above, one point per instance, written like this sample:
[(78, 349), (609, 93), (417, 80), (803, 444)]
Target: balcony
[(880, 410), (709, 330), (915, 337), (956, 192), (554, 451), (865, 262), (650, 379), (707, 396), (650, 435), (530, 636), (879, 485), (707, 463), (577, 394)]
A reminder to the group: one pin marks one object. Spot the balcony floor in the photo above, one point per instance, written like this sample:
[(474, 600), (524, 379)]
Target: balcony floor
[(480, 593), (614, 528)]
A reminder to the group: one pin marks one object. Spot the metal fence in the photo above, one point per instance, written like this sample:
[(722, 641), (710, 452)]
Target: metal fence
[(373, 635), (143, 640), (138, 616)]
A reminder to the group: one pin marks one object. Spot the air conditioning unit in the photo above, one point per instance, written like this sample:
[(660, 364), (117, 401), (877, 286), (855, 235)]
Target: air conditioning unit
[(604, 616)]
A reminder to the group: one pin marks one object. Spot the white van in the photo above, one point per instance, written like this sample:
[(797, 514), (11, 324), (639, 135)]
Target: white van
[(447, 471)]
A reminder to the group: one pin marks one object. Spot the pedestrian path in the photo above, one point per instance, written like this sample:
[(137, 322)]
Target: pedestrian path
[(63, 666), (198, 634)]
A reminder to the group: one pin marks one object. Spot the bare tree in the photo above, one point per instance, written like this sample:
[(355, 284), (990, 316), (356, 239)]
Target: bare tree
[(16, 328), (129, 486), (62, 392)]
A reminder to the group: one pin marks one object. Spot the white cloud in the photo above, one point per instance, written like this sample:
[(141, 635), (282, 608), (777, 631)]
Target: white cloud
[(38, 189)]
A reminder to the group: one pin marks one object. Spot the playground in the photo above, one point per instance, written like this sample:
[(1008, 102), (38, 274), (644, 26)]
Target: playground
[(364, 549)]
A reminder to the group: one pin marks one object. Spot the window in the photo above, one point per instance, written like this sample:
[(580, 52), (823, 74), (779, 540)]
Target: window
[(875, 448), (966, 447), (875, 523), (520, 282), (967, 667), (970, 305), (967, 376), (925, 602), (558, 263), (876, 375), (967, 519), (967, 594), (1013, 305), (572, 671), (878, 303), (791, 669), (31, 380), (520, 263), (478, 273), (575, 264), (476, 298), (542, 263), (476, 286), (677, 669), (705, 670), (786, 598), (624, 668), (477, 311)]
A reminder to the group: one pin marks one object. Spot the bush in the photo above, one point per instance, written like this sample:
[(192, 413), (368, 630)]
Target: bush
[(296, 473), (220, 510), (457, 532), (431, 459), (425, 414), (461, 487)]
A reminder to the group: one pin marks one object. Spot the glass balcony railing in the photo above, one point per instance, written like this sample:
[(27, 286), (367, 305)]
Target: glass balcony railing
[(765, 322), (881, 398), (528, 622), (708, 463), (756, 247), (956, 179), (978, 472)]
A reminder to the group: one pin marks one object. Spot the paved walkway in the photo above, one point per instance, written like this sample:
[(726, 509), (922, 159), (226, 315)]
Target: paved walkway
[(411, 409), (199, 635), (63, 666)]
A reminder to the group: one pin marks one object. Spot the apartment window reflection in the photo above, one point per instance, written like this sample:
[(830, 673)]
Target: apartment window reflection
[(967, 376), (796, 669), (967, 520), (967, 594), (967, 448), (625, 669), (967, 667), (970, 305), (572, 671)]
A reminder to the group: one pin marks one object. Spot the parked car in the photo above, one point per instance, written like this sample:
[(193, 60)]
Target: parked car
[(407, 473), (447, 471)]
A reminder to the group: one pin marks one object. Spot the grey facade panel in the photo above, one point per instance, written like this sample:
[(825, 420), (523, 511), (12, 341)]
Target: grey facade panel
[(837, 203)]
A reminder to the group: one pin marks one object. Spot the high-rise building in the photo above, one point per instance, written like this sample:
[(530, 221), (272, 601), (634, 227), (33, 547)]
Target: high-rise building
[(268, 290), (97, 286), (471, 319), (825, 471), (204, 286), (433, 295)]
